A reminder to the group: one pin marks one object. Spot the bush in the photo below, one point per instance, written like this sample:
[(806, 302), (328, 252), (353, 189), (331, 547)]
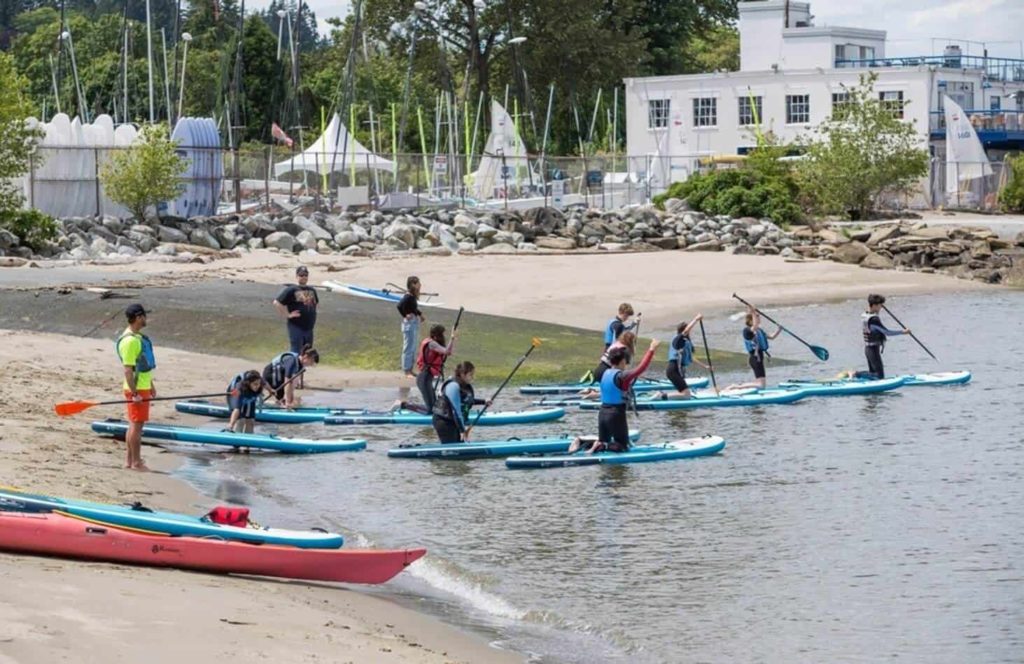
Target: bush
[(32, 227), (1012, 197), (740, 192), (146, 173)]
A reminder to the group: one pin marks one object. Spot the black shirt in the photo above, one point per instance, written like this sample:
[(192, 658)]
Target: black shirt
[(409, 305), (302, 299)]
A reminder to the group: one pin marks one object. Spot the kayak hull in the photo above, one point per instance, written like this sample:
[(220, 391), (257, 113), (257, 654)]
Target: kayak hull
[(846, 387), (166, 523), (406, 417), (762, 398), (489, 449), (58, 535), (162, 433), (680, 449), (638, 386)]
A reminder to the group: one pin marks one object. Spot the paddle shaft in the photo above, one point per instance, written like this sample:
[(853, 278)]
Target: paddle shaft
[(403, 290), (912, 336), (501, 387), (707, 354), (772, 320), (632, 392), (183, 396), (102, 323), (455, 327)]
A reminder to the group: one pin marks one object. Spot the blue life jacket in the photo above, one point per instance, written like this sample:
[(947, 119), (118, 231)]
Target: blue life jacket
[(146, 360), (245, 395), (609, 333), (683, 356), (611, 394), (758, 344)]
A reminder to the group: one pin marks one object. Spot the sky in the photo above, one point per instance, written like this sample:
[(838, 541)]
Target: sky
[(912, 25)]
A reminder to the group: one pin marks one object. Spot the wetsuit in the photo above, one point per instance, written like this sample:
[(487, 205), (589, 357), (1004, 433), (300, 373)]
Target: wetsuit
[(875, 333), (614, 330), (430, 361), (612, 425), (451, 410), (280, 369), (680, 356), (757, 348), (603, 365)]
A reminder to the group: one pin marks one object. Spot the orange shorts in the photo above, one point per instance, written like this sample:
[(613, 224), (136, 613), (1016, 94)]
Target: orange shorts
[(138, 412)]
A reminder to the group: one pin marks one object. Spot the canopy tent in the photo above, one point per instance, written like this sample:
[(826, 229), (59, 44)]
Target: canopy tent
[(335, 151), (505, 163)]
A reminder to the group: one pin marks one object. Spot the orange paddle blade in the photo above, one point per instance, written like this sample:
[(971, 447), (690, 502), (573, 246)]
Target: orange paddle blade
[(73, 407)]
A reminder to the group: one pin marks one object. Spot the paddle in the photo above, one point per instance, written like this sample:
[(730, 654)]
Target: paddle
[(898, 322), (74, 407), (632, 392), (707, 354), (533, 344), (399, 289), (455, 328), (102, 323), (819, 352)]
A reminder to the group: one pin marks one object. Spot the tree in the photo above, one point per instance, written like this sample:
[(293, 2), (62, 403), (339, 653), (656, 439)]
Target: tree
[(714, 50), (1012, 197), (145, 174), (857, 158), (669, 26)]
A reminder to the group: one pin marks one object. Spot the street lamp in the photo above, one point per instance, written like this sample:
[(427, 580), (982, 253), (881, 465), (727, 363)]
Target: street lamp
[(187, 38), (66, 36), (280, 28)]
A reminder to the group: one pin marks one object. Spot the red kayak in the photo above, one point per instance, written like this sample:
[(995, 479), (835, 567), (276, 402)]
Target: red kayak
[(54, 534)]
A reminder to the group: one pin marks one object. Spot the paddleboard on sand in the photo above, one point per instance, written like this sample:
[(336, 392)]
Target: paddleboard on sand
[(162, 433)]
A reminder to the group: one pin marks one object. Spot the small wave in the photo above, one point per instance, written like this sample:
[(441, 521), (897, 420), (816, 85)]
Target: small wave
[(466, 591)]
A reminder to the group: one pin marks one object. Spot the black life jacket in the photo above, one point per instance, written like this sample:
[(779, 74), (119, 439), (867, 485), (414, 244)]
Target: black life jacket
[(444, 408)]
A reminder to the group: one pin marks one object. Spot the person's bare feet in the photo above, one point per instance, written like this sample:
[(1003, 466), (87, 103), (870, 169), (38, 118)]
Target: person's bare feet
[(140, 466)]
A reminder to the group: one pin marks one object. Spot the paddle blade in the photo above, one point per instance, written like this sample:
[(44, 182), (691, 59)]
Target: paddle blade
[(821, 353), (73, 407), (535, 342)]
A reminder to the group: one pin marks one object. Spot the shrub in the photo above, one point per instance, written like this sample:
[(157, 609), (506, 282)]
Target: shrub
[(146, 173), (32, 227), (1012, 196)]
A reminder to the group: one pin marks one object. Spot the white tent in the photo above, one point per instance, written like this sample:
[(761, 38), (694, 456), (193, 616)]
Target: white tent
[(334, 151)]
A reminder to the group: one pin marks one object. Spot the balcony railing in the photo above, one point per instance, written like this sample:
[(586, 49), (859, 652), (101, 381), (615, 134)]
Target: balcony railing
[(1006, 120), (996, 69)]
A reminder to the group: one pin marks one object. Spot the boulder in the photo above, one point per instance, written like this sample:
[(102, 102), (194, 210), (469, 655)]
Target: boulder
[(832, 237), (674, 205), (254, 243), (861, 235), (876, 261), (465, 225), (170, 234), (981, 249), (346, 239), (485, 231), (932, 232), (337, 224), (710, 245), (664, 242), (949, 248), (554, 242), (850, 253), (143, 241), (881, 234), (12, 261), (498, 248), (396, 230), (313, 228), (8, 239), (280, 240), (202, 238), (1019, 240)]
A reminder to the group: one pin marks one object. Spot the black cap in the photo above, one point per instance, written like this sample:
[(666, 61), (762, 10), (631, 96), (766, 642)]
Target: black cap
[(302, 271), (133, 311)]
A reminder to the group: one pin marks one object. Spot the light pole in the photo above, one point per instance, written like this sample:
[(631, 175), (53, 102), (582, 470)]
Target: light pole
[(66, 36), (149, 60), (281, 14), (187, 38)]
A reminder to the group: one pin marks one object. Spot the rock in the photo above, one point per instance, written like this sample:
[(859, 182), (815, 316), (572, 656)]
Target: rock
[(80, 254), (337, 224), (949, 248), (313, 228), (664, 242), (103, 232), (144, 229), (465, 225), (128, 251), (8, 239), (403, 233), (356, 250), (259, 225), (932, 232), (202, 238), (485, 231), (674, 205), (861, 235), (396, 243), (527, 247), (169, 234), (555, 242), (832, 237), (142, 241), (498, 248), (255, 243), (981, 249), (12, 261), (99, 247), (704, 237), (280, 240), (346, 239), (788, 253), (881, 234), (447, 238), (850, 253), (997, 244), (711, 245), (167, 250), (1019, 240), (876, 261)]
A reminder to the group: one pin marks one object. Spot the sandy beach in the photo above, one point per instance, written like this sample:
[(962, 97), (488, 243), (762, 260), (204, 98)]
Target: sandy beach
[(111, 613)]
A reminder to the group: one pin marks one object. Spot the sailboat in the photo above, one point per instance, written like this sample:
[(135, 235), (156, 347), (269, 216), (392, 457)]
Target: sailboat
[(966, 160)]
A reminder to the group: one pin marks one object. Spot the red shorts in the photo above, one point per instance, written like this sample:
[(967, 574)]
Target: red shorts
[(138, 412)]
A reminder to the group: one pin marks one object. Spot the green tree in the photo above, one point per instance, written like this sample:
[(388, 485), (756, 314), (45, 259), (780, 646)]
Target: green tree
[(1012, 197), (855, 159), (670, 25), (716, 49), (262, 78), (145, 174)]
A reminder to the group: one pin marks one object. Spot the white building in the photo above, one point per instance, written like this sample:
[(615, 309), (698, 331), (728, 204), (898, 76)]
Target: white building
[(792, 75)]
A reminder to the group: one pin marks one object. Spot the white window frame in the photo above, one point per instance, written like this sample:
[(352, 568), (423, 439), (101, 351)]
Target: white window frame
[(743, 104), (659, 113), (897, 104), (705, 112), (839, 99), (791, 105)]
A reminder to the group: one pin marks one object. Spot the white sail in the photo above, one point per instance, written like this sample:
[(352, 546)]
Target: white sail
[(965, 156), (504, 164)]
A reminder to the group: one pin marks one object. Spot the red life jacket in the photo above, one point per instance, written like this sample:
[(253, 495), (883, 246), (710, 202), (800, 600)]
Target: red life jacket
[(230, 516), (428, 358)]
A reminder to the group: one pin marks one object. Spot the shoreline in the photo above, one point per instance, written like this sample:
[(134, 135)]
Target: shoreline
[(61, 607)]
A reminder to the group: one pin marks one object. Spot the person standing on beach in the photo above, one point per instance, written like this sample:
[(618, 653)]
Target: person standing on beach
[(282, 371), (297, 304), (409, 310), (244, 393), (135, 351), (875, 335), (619, 324)]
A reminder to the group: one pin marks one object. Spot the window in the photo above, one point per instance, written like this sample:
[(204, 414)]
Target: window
[(705, 112), (867, 52), (750, 113), (798, 109), (995, 103), (892, 100), (839, 105), (840, 55), (657, 113)]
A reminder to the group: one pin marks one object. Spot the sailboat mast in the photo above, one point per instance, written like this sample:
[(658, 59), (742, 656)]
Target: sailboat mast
[(149, 62)]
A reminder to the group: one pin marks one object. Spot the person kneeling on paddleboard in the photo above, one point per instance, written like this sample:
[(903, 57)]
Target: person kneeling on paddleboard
[(680, 356), (875, 334), (612, 424), (282, 369), (755, 341), (244, 393), (430, 362), (451, 410)]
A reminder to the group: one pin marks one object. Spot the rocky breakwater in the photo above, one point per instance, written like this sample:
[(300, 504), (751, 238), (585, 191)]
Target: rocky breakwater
[(966, 252)]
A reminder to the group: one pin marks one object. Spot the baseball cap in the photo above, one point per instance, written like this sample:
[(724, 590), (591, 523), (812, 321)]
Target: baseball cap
[(133, 311), (302, 271)]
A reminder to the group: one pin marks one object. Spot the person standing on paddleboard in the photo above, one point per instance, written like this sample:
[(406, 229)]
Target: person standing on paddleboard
[(244, 394), (297, 304), (409, 309), (875, 334), (620, 324), (612, 422), (451, 410), (680, 356), (279, 375), (135, 351)]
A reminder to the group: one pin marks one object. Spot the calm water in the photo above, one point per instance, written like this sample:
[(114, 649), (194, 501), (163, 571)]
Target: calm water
[(847, 529)]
